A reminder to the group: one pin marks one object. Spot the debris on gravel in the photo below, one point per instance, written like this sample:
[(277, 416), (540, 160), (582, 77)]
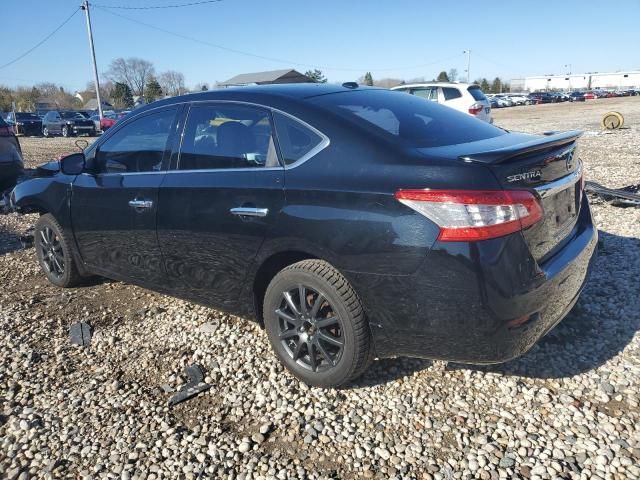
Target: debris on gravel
[(570, 408)]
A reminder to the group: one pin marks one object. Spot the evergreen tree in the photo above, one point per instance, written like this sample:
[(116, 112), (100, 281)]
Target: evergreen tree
[(122, 96), (152, 91), (496, 85), (316, 75), (484, 85), (442, 77), (368, 79)]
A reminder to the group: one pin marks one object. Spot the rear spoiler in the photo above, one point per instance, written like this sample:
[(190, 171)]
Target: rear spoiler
[(549, 140)]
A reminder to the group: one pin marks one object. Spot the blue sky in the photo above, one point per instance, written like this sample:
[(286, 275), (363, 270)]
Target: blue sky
[(401, 38)]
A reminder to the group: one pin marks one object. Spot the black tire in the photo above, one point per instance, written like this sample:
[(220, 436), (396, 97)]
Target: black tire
[(307, 343), (45, 131), (65, 131), (54, 253)]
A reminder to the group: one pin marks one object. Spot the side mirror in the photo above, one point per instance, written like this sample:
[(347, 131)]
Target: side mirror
[(73, 164)]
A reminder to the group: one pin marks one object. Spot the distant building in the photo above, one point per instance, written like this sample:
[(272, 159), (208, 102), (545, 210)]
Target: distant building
[(92, 104), (578, 81), (45, 104), (265, 78)]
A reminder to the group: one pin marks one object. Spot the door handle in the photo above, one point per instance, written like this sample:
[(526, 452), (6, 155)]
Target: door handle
[(250, 212), (140, 204)]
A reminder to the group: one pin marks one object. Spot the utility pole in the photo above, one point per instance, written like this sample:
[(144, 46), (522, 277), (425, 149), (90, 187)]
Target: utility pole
[(85, 7), (468, 52)]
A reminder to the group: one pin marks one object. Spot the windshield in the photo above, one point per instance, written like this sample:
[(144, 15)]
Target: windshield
[(26, 116), (69, 115), (406, 118)]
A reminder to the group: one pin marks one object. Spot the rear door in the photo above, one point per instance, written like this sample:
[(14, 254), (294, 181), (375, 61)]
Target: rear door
[(114, 208), (428, 93), (219, 200)]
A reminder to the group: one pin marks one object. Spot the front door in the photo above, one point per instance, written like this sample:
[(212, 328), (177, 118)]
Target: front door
[(114, 208), (218, 201)]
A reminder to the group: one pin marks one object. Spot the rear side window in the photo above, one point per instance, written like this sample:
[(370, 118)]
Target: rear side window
[(476, 93), (430, 93), (451, 93), (227, 136), (406, 119), (138, 146), (296, 140)]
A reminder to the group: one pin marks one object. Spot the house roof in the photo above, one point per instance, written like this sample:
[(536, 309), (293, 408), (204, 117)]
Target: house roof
[(92, 104), (272, 76)]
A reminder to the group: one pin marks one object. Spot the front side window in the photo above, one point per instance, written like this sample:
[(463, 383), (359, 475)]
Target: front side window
[(227, 136), (295, 139), (138, 146)]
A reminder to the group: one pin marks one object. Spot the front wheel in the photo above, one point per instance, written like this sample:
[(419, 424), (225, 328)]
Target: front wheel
[(316, 324), (45, 131), (65, 131), (54, 253)]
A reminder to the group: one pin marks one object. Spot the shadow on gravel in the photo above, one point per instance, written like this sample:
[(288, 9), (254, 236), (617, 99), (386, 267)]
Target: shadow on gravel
[(9, 242), (600, 326), (389, 369)]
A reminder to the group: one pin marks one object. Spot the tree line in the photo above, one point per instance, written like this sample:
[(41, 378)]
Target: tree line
[(128, 79)]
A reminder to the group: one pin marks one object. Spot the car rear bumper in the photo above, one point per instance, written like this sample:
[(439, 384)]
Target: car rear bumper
[(486, 302)]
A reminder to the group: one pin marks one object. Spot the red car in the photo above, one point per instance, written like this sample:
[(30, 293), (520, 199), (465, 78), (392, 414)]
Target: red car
[(104, 123), (589, 96)]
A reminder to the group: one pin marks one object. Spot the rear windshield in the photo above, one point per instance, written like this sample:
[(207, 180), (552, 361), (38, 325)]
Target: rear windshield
[(412, 120), (476, 93)]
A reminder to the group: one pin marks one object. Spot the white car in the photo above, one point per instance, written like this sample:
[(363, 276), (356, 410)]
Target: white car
[(461, 96)]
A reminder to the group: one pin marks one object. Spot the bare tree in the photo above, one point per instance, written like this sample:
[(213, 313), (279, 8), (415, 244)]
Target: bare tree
[(172, 83), (106, 89), (134, 72), (453, 74)]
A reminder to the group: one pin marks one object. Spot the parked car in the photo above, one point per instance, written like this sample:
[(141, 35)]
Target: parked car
[(11, 165), (461, 96), (589, 95), (576, 97), (382, 225), (542, 97), (25, 123), (519, 99), (67, 123), (105, 123)]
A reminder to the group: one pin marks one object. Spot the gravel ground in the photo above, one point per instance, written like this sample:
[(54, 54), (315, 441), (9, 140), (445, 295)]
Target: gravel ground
[(567, 409)]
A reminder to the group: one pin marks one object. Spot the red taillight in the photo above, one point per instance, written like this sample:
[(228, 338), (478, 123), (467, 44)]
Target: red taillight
[(469, 215), (476, 108), (6, 131)]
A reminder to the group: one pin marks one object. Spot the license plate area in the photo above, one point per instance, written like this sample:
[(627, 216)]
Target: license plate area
[(563, 207)]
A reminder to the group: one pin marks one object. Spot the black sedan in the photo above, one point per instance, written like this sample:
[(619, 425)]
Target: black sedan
[(352, 222), (576, 97), (25, 123), (67, 124)]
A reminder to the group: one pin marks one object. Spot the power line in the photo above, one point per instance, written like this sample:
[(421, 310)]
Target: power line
[(154, 7), (271, 59), (41, 41)]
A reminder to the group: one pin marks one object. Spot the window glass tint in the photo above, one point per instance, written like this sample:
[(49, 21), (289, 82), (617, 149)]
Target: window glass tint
[(450, 93), (476, 93), (407, 119), (138, 146), (295, 139), (227, 136)]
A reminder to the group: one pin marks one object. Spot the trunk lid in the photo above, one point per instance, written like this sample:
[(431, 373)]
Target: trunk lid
[(548, 165)]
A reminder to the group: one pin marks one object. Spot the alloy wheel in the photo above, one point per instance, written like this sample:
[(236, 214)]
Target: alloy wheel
[(51, 251), (310, 329)]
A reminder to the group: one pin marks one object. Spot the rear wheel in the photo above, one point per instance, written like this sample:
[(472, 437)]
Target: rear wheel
[(45, 131), (54, 253), (316, 324), (65, 131)]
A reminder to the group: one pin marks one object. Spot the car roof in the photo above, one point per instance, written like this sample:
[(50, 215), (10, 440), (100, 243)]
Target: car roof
[(260, 93), (434, 84)]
